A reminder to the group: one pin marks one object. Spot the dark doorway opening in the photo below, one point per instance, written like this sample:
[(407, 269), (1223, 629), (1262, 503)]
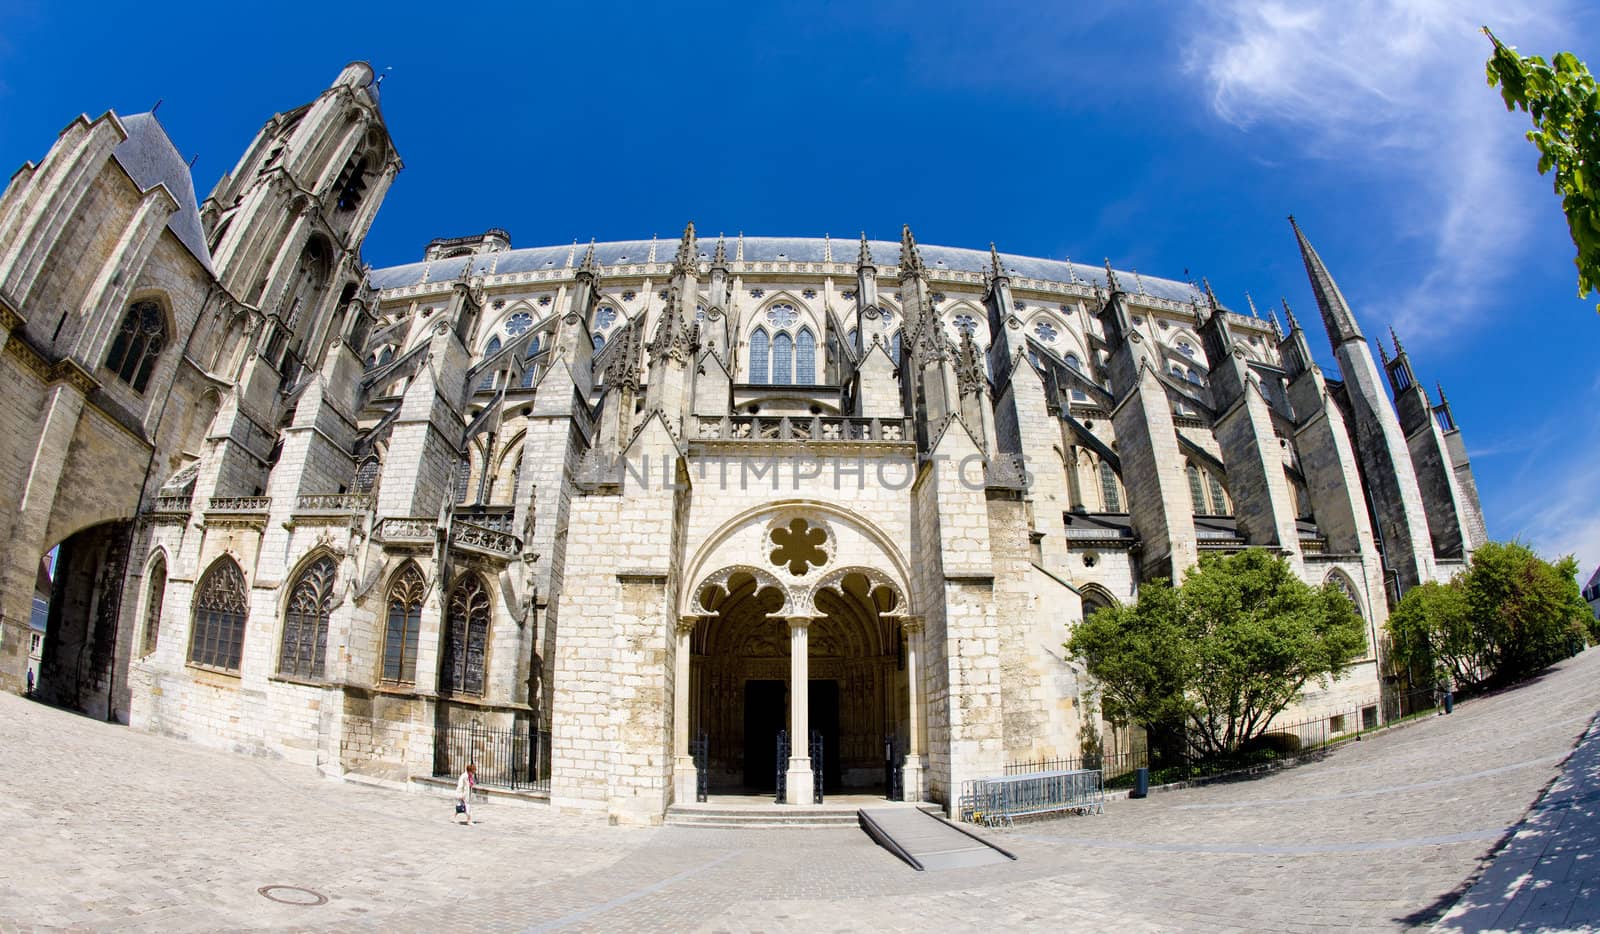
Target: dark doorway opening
[(824, 716), (765, 709)]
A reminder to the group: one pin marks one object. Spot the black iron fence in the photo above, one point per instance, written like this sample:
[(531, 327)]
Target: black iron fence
[(1179, 759), (517, 758)]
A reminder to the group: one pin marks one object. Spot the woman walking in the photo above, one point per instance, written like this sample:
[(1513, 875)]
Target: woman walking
[(464, 787)]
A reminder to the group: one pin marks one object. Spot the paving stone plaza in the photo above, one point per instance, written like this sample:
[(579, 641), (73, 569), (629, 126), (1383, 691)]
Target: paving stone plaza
[(111, 829)]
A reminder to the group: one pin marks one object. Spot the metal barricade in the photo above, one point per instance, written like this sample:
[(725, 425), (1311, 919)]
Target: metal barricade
[(999, 801)]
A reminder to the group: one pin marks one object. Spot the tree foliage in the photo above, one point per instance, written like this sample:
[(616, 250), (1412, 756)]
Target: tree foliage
[(1564, 104), (1224, 653), (1507, 616)]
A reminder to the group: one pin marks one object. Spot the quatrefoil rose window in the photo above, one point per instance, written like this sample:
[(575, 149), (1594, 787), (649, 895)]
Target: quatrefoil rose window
[(799, 545)]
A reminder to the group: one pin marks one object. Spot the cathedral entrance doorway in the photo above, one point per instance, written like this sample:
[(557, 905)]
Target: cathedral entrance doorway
[(743, 663), (75, 615)]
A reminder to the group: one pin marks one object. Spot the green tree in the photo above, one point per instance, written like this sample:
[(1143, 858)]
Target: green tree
[(1507, 616), (1224, 653), (1431, 630), (1564, 104)]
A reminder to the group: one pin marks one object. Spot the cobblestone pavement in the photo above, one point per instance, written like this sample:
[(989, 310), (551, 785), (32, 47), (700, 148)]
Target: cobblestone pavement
[(111, 829)]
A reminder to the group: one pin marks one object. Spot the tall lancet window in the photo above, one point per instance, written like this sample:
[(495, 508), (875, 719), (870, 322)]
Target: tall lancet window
[(221, 604), (305, 621), (466, 638), (1108, 488), (530, 371), (1196, 492), (760, 356), (489, 351), (782, 359), (805, 358), (405, 622), (894, 348)]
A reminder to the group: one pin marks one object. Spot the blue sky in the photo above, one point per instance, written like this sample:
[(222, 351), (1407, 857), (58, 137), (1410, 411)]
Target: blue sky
[(1170, 137)]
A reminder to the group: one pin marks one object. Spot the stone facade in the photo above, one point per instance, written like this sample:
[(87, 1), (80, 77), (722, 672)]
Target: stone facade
[(614, 499)]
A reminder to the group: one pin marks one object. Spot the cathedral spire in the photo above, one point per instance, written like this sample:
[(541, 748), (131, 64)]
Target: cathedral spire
[(910, 256), (1111, 277), (1336, 314), (1252, 303), (1289, 312), (864, 258), (1398, 350), (1211, 297)]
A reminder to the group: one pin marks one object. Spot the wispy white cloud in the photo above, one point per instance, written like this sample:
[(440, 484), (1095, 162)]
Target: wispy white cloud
[(1397, 86)]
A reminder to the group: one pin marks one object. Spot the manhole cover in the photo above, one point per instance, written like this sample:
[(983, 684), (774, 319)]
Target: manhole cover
[(292, 895)]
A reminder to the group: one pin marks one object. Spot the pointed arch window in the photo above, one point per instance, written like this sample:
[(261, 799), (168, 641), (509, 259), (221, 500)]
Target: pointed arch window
[(530, 371), (855, 339), (404, 623), (138, 343), (366, 474), (387, 357), (1109, 497), (1076, 366), (782, 359), (760, 356), (1197, 493), (221, 605), (489, 351), (805, 358), (894, 348), (466, 637), (1219, 496), (599, 341), (603, 317), (463, 478), (1186, 349), (156, 592), (305, 621)]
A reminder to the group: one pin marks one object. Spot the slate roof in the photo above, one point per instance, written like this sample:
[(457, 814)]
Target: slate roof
[(150, 159), (772, 249)]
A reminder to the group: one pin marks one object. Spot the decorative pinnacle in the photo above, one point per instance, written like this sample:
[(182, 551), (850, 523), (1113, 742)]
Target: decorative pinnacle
[(1111, 277), (1383, 353), (996, 270), (720, 257), (1398, 350), (1252, 303), (1277, 329), (864, 258), (688, 255), (910, 256), (588, 267), (1211, 297), (1442, 399), (1293, 324)]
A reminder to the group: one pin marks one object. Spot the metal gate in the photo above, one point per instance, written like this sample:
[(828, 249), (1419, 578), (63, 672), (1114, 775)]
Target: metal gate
[(816, 767), (699, 748), (782, 765), (894, 769)]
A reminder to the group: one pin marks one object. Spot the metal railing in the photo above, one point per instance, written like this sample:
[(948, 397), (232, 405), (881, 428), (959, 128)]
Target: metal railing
[(1299, 739), (1000, 801), (518, 758)]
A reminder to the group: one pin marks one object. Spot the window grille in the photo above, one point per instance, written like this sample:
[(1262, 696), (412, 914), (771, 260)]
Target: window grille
[(1196, 491), (805, 358), (783, 359)]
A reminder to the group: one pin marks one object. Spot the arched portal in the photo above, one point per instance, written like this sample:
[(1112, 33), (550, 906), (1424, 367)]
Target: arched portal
[(743, 676)]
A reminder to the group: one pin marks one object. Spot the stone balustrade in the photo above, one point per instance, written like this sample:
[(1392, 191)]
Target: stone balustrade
[(240, 503), (484, 540), (799, 428), (334, 502), (178, 504), (407, 529)]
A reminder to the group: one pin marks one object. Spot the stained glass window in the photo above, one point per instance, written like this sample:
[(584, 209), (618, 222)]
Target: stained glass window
[(783, 359), (518, 323), (137, 344), (604, 317), (466, 637), (759, 356), (805, 358), (965, 323), (782, 316), (1108, 488), (405, 621), (221, 605), (1045, 331), (305, 622)]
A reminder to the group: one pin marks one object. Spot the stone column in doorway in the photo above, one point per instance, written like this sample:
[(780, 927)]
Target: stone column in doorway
[(915, 764), (685, 776), (799, 777)]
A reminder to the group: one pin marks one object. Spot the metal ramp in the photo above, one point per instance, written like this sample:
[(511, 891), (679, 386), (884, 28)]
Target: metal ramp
[(928, 842)]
